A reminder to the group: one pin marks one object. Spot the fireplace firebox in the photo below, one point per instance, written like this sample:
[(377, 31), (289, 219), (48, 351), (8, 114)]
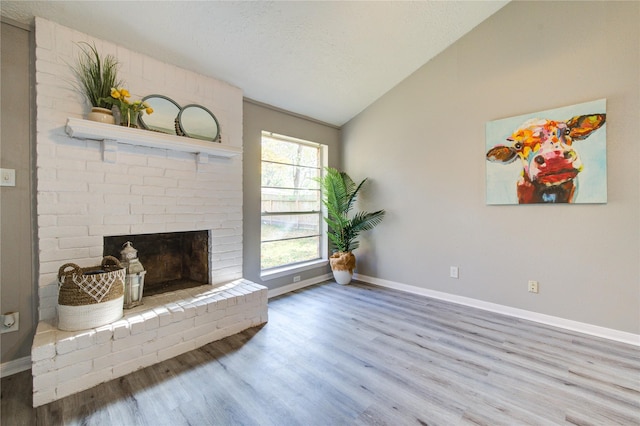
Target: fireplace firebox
[(173, 261)]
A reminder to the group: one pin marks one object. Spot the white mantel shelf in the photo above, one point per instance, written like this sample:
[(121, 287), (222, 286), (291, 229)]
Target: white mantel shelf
[(111, 135)]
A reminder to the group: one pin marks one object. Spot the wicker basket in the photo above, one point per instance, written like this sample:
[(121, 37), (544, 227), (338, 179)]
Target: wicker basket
[(90, 297)]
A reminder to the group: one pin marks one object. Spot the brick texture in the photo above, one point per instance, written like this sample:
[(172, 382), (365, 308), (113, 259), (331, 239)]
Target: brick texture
[(67, 362), (87, 190), (82, 198)]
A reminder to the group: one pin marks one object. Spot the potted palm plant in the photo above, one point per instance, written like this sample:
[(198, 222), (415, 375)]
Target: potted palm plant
[(96, 76), (339, 196)]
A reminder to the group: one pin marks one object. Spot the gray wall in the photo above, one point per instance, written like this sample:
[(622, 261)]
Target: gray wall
[(423, 146), (17, 289), (257, 118)]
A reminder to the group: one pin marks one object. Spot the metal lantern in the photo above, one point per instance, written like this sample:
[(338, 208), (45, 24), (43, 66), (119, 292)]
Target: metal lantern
[(134, 282)]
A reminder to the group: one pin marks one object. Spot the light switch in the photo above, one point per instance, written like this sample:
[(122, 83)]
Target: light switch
[(8, 177)]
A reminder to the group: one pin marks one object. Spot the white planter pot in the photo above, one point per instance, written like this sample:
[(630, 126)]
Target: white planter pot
[(342, 277), (342, 265), (101, 115)]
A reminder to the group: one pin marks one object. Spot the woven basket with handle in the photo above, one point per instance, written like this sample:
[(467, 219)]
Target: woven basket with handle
[(90, 297)]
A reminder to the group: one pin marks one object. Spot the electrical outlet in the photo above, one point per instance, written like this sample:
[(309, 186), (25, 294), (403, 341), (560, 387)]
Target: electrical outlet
[(296, 279), (7, 177), (453, 272), (10, 321), (533, 286)]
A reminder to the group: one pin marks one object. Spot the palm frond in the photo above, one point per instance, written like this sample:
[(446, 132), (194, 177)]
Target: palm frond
[(365, 221), (337, 191), (340, 193), (354, 193)]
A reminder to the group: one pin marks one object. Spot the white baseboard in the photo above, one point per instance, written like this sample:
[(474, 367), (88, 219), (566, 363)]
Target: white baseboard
[(296, 286), (593, 330), (16, 366)]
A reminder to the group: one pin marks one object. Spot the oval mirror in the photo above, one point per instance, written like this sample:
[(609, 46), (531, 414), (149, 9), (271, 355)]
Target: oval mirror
[(198, 122), (163, 118)]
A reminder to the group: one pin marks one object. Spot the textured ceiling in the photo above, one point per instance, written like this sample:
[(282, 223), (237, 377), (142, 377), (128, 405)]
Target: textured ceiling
[(326, 60)]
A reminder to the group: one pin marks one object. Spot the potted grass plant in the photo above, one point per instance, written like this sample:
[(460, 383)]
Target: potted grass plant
[(339, 196), (96, 76)]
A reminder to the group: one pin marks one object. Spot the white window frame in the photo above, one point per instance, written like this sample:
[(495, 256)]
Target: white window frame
[(281, 271)]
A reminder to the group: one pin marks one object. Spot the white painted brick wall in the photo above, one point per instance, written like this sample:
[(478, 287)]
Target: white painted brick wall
[(163, 327), (81, 198)]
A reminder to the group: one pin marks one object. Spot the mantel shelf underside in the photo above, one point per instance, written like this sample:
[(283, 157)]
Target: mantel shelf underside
[(111, 135)]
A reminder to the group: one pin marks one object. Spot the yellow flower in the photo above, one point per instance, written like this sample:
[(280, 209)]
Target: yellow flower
[(119, 97)]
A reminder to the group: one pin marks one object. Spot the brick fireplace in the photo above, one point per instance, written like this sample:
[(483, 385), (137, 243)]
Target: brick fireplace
[(118, 184)]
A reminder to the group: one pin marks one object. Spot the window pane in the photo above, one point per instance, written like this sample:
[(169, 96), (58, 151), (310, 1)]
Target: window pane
[(289, 169), (289, 226), (278, 253), (290, 200), (289, 152), (288, 176)]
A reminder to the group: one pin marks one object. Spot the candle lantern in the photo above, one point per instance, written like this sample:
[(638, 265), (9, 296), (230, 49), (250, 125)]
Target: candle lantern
[(134, 282)]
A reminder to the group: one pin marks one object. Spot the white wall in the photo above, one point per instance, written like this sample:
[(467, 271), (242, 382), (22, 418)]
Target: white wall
[(422, 145)]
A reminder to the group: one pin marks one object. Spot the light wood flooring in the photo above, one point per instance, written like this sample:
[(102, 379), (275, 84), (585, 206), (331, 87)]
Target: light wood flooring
[(364, 355)]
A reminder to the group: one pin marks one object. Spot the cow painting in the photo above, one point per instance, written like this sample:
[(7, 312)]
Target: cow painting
[(548, 155)]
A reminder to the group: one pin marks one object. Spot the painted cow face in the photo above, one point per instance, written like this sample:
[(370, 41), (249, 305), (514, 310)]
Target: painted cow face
[(545, 148)]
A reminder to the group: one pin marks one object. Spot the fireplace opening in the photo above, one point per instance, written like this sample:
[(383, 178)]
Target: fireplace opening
[(173, 261)]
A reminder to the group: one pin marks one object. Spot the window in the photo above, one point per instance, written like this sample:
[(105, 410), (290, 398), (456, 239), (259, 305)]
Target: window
[(292, 230)]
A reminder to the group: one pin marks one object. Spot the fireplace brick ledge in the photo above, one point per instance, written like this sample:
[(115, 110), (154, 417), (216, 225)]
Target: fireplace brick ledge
[(166, 325)]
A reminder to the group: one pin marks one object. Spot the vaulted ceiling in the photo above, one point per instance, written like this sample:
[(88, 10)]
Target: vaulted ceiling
[(327, 60)]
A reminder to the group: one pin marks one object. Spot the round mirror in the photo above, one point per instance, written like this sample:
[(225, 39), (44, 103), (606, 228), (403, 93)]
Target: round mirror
[(163, 118), (198, 122)]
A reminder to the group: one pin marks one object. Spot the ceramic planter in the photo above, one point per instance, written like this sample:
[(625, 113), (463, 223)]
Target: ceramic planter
[(342, 265), (101, 115)]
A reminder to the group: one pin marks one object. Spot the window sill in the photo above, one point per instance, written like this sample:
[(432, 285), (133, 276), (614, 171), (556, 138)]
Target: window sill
[(292, 269)]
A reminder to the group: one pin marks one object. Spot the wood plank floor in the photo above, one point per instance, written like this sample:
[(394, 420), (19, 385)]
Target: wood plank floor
[(364, 355)]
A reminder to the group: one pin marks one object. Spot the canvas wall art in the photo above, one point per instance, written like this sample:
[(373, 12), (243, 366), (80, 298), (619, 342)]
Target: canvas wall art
[(553, 156)]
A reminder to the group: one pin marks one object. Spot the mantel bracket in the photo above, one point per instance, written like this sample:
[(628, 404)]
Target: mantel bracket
[(109, 150)]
